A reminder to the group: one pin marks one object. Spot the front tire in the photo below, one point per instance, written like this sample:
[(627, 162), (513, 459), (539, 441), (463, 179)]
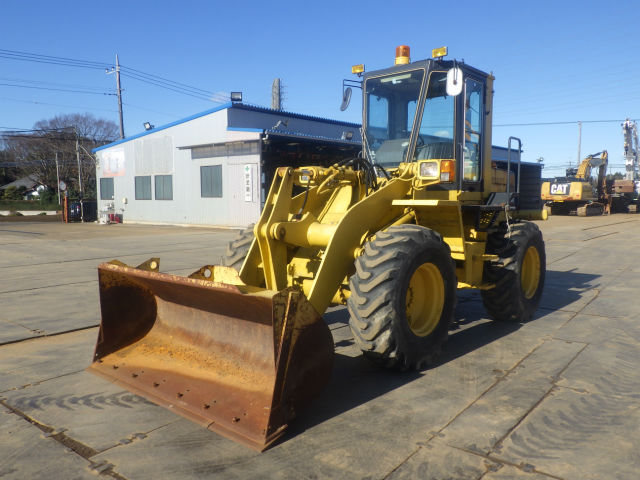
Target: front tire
[(403, 296), (238, 249), (518, 274)]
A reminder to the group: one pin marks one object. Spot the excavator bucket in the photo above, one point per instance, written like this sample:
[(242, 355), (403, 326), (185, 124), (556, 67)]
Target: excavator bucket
[(238, 360)]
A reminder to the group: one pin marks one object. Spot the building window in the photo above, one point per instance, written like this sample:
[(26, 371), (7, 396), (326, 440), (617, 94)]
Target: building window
[(143, 188), (106, 189), (164, 187), (231, 149), (211, 181)]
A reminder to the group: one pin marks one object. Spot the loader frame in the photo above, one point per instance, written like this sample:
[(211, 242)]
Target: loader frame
[(241, 351)]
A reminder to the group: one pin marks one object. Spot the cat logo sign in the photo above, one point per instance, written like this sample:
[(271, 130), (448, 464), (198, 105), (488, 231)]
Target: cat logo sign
[(559, 188)]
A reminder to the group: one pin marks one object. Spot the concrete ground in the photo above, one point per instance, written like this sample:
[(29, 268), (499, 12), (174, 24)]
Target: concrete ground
[(557, 397)]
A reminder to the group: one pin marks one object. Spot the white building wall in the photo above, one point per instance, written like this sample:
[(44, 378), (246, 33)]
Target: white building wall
[(126, 160)]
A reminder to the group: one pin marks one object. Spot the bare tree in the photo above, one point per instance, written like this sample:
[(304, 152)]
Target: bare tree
[(97, 131), (8, 171), (63, 137)]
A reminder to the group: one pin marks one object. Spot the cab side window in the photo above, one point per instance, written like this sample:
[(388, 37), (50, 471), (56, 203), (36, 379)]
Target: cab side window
[(473, 115)]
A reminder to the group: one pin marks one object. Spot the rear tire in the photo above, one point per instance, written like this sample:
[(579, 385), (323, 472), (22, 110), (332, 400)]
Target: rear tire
[(518, 274), (403, 297), (238, 249)]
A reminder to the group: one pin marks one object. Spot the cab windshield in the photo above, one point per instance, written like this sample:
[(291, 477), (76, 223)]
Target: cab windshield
[(435, 137), (391, 106)]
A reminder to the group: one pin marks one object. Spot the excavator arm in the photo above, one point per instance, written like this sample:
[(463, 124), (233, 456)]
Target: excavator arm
[(596, 160), (602, 175)]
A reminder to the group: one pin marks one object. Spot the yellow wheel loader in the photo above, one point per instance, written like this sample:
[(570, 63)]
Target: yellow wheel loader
[(424, 210)]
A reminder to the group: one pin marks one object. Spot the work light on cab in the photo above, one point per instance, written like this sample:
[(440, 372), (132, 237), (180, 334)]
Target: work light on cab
[(439, 52)]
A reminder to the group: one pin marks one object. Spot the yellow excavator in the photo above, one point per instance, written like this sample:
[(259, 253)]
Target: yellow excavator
[(241, 348), (574, 194)]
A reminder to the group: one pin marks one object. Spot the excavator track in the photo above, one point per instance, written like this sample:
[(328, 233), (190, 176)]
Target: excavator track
[(590, 210)]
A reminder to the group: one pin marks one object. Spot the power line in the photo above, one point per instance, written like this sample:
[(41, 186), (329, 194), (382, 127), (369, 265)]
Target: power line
[(36, 102), (6, 135), (130, 72), (54, 89), (198, 96), (46, 134), (158, 78), (568, 122), (38, 58), (209, 96), (45, 83), (53, 129), (16, 129)]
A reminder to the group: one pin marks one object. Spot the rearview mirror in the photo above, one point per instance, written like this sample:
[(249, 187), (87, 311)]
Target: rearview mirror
[(454, 81), (346, 98)]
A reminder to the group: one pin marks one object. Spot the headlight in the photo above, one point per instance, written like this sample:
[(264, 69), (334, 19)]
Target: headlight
[(429, 169)]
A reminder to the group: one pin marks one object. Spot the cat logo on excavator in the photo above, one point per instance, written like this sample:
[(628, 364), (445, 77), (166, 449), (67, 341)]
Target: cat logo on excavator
[(559, 188)]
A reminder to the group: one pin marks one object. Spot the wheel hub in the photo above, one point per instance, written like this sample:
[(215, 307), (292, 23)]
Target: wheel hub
[(425, 299), (530, 272)]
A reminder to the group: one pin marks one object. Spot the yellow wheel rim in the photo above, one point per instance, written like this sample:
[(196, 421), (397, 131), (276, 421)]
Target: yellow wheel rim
[(530, 272), (425, 299)]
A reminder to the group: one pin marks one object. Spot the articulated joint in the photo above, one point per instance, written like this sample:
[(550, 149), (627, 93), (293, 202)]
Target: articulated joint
[(307, 232)]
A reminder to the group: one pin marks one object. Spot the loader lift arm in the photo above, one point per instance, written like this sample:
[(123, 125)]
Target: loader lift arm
[(338, 217)]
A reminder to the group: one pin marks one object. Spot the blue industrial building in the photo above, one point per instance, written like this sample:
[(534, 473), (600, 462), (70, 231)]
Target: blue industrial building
[(215, 167)]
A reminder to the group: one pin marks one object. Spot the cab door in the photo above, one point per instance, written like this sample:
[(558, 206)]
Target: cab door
[(473, 135)]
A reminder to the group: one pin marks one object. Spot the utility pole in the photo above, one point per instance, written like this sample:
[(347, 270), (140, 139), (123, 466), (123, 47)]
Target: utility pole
[(276, 95), (116, 70), (119, 96), (579, 140), (58, 178), (631, 154), (79, 177)]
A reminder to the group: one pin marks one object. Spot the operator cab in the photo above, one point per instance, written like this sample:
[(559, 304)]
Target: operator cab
[(410, 112)]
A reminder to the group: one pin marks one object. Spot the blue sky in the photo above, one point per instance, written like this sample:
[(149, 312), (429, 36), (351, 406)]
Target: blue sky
[(554, 61)]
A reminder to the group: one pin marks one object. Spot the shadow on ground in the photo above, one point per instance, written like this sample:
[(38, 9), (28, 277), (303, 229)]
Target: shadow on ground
[(355, 381), (564, 288)]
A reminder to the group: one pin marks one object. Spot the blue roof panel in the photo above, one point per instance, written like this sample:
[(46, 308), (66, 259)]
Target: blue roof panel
[(239, 106), (163, 127), (255, 108)]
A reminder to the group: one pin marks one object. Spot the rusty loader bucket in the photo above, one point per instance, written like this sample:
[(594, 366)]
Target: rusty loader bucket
[(238, 360)]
